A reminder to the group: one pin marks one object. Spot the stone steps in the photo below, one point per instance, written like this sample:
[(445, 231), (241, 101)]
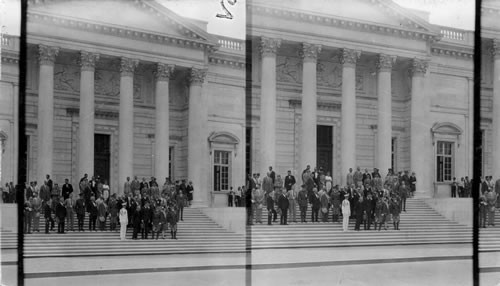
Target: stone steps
[(489, 238), (199, 234)]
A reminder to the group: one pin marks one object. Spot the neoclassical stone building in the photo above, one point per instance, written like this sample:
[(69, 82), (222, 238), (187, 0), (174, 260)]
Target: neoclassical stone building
[(125, 88), (359, 83)]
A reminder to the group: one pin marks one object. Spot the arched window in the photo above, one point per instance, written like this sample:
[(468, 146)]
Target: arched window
[(446, 138), (223, 146)]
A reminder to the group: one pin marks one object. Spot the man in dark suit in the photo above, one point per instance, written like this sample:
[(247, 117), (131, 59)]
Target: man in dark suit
[(92, 209), (272, 174), (283, 205), (302, 201), (80, 211), (289, 181), (67, 189), (50, 184), (61, 215), (146, 217), (315, 204)]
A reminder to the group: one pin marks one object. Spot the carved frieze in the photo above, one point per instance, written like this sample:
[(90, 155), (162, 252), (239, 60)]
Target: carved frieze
[(47, 55), (66, 78), (288, 69), (329, 74), (268, 46), (107, 82)]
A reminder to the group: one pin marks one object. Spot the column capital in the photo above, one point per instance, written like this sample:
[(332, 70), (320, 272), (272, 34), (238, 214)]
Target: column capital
[(47, 55), (88, 60), (197, 76), (269, 46), (349, 57), (309, 52), (495, 48), (385, 62), (418, 67), (163, 71), (127, 66)]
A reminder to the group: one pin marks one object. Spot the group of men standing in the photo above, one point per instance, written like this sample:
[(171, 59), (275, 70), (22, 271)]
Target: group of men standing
[(365, 197), (148, 208)]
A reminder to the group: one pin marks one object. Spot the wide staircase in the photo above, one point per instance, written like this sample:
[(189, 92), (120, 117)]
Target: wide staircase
[(199, 234), (196, 234), (489, 238), (420, 224)]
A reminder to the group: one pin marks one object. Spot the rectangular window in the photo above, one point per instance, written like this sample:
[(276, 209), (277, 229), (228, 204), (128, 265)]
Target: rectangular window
[(444, 161), (221, 170)]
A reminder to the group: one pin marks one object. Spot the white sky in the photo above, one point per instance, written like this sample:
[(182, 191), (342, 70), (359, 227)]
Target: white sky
[(452, 13)]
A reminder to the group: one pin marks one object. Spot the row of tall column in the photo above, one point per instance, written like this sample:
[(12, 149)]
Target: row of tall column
[(348, 58), (163, 72)]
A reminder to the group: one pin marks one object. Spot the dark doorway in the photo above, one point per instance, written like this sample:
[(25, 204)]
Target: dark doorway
[(102, 156), (324, 148)]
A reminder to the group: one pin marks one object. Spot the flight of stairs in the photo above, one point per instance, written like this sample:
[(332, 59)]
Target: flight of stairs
[(419, 225), (196, 234), (489, 238), (199, 234)]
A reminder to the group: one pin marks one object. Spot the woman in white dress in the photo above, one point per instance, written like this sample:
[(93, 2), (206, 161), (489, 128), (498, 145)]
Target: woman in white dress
[(328, 182), (346, 212), (123, 221)]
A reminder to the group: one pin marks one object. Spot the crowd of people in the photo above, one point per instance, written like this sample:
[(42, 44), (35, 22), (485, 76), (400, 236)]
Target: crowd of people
[(488, 201), (366, 197), (144, 206)]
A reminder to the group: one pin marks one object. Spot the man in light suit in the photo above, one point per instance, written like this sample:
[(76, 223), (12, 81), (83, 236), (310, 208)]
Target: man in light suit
[(291, 195), (127, 188)]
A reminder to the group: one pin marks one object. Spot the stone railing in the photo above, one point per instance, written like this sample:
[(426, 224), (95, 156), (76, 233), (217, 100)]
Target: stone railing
[(10, 43), (456, 35), (231, 44)]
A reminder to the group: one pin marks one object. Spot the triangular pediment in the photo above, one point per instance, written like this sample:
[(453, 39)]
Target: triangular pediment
[(147, 15), (377, 12)]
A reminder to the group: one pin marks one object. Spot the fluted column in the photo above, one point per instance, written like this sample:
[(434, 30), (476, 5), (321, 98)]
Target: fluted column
[(87, 114), (126, 121), (268, 48), (197, 139), (348, 112), (419, 163), (384, 126), (309, 54), (162, 139), (496, 110), (45, 127)]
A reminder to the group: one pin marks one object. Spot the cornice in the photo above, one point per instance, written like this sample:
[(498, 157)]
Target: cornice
[(326, 20), (10, 58), (232, 63), (442, 51), (120, 31)]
